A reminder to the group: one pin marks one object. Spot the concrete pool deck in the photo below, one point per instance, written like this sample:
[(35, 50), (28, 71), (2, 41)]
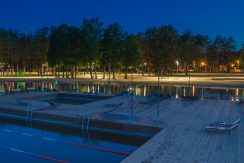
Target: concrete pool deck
[(72, 115), (181, 138)]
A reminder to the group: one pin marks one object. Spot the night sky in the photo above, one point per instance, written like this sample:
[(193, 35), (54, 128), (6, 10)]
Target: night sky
[(211, 17)]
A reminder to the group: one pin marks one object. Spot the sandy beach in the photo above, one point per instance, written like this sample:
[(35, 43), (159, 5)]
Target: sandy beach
[(220, 80)]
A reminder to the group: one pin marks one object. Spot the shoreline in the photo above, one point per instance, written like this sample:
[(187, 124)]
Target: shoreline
[(200, 81)]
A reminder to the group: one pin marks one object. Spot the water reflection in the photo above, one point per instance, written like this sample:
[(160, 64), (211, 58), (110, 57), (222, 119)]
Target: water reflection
[(177, 93), (193, 91), (145, 91), (237, 94), (141, 89)]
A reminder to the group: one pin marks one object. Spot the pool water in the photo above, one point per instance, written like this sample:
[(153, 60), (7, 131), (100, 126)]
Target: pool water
[(69, 100), (24, 144)]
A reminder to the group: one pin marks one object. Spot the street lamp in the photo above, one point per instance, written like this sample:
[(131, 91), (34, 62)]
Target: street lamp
[(177, 63), (203, 64)]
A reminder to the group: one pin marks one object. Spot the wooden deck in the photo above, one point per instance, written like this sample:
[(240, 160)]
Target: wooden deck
[(184, 139)]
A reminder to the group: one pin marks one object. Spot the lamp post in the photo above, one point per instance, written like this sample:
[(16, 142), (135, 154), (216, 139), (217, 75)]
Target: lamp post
[(238, 64), (42, 83), (145, 68), (203, 64), (177, 63), (158, 94)]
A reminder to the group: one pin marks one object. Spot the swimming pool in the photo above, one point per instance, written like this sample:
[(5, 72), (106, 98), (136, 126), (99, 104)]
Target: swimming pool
[(23, 144)]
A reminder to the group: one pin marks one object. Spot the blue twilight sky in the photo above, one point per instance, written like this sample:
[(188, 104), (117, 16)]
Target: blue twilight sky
[(211, 17)]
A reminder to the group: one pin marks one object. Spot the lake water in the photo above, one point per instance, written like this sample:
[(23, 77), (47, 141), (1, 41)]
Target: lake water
[(141, 89)]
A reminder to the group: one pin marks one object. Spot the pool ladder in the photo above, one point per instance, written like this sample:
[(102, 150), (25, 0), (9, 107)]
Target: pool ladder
[(85, 124), (29, 114), (85, 121)]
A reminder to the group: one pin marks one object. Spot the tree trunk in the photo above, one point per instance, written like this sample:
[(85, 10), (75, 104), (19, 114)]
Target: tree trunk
[(186, 69), (126, 72), (91, 71), (109, 71), (104, 72), (71, 71), (113, 73), (58, 72), (63, 73), (149, 70), (228, 68), (95, 68), (76, 70)]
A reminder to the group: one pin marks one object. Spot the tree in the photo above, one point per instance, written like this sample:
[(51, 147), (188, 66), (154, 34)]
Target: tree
[(166, 54), (160, 47), (190, 49), (148, 46), (131, 53), (223, 47), (228, 49), (112, 44), (241, 59), (40, 47), (91, 33), (64, 48)]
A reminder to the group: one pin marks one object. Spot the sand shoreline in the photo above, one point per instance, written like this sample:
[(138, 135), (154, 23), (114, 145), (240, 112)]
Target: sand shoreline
[(230, 81)]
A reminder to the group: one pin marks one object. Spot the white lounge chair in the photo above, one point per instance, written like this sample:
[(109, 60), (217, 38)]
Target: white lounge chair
[(224, 124), (220, 128)]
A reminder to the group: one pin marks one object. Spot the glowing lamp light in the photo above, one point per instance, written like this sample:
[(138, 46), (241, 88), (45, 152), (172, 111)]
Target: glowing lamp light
[(177, 62), (202, 64)]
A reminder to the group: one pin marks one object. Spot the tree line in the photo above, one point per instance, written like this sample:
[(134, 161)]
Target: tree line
[(92, 48)]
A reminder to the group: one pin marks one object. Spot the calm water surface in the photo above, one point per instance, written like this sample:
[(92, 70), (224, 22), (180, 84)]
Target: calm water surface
[(18, 137), (141, 89)]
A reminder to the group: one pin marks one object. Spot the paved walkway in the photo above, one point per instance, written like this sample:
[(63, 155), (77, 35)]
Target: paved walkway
[(219, 79)]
